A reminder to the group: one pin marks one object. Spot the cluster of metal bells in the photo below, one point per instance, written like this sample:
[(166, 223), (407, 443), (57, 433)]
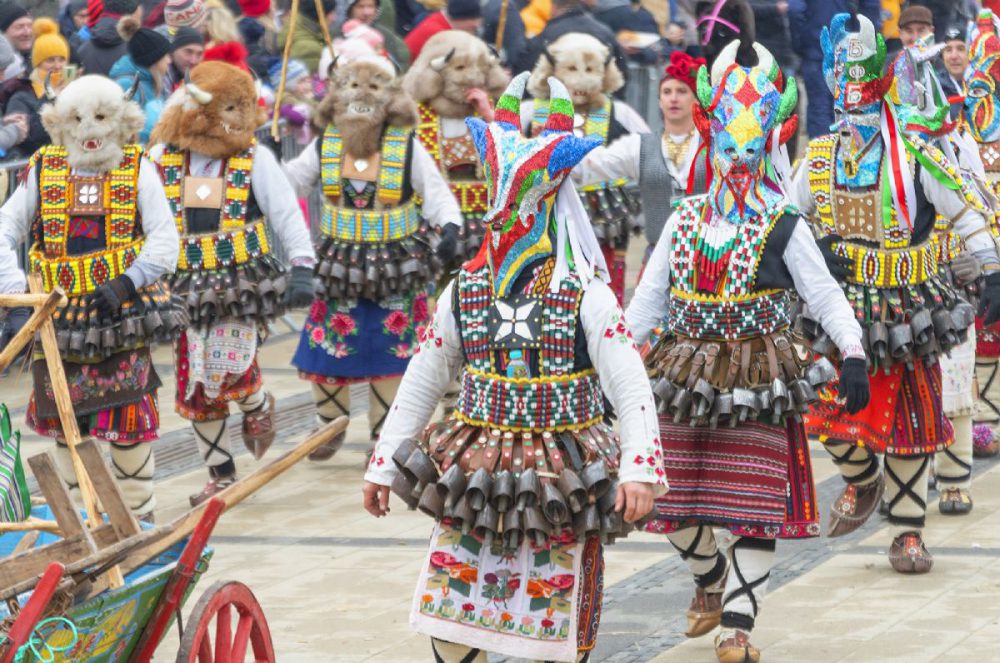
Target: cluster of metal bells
[(237, 293), (927, 335), (704, 405), (512, 507), (375, 271), (613, 211), (470, 237), (80, 334)]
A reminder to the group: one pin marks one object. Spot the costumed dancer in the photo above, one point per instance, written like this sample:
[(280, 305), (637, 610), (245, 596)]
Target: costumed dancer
[(229, 200), (526, 480), (981, 119), (454, 77), (731, 385), (587, 68), (100, 228), (878, 191), (663, 165), (374, 260), (924, 109)]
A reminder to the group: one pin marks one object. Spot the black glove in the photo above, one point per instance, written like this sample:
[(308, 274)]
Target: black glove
[(12, 323), (989, 299), (301, 290), (853, 385), (839, 266), (109, 298), (448, 246), (965, 268)]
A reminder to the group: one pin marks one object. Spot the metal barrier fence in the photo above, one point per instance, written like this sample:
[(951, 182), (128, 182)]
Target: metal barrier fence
[(643, 93)]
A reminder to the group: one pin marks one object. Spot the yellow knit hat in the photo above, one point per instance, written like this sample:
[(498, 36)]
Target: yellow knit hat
[(48, 42)]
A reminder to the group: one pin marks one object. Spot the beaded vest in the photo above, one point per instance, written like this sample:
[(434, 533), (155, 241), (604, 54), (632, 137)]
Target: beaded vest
[(237, 240), (503, 339), (595, 123), (732, 309), (390, 218), (88, 224), (454, 154)]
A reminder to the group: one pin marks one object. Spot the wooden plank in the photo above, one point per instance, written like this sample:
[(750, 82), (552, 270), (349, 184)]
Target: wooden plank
[(58, 499), (27, 542), (11, 300), (107, 489), (27, 332), (31, 525)]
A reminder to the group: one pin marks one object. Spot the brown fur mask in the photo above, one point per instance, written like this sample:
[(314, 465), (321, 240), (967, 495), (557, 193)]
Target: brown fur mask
[(583, 64), (451, 63), (93, 119), (363, 97), (216, 113)]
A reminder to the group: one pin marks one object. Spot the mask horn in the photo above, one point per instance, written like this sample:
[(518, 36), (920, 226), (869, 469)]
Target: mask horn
[(508, 110), (199, 95), (333, 65), (50, 94), (726, 58), (439, 63), (132, 89), (765, 61), (561, 112)]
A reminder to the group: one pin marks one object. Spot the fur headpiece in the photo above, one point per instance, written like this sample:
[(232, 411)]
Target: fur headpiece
[(582, 63)]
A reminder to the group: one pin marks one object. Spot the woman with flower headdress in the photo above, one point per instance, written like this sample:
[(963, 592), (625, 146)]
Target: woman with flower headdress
[(663, 165)]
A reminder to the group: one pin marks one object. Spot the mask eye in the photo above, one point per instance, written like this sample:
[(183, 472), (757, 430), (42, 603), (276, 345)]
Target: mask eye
[(977, 92)]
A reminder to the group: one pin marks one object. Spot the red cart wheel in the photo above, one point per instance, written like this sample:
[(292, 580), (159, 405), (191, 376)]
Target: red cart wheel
[(215, 634)]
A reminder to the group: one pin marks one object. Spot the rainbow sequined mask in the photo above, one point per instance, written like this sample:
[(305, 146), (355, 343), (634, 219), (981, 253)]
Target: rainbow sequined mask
[(982, 80), (740, 107), (921, 104), (523, 176)]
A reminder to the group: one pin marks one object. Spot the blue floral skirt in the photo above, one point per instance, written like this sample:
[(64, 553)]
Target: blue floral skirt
[(360, 340)]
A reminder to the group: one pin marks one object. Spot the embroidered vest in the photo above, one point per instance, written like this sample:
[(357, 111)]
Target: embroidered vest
[(236, 240), (498, 390), (599, 122), (736, 310), (451, 153), (392, 218), (88, 224)]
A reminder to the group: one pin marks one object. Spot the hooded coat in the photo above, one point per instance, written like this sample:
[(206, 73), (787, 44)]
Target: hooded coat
[(124, 72), (104, 49)]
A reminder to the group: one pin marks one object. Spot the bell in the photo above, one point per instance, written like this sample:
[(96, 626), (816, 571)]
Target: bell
[(704, 395), (664, 391), (823, 345), (921, 327), (403, 452), (479, 489), (607, 501), (554, 504), (722, 409), (92, 341), (402, 486), (62, 340), (513, 531), (463, 516), (764, 400), (431, 502), (486, 524), (945, 329), (745, 406), (802, 394), (76, 341), (680, 406), (151, 321), (528, 489), (571, 485), (901, 342), (452, 484), (596, 479), (963, 315), (779, 400), (587, 523), (420, 465), (503, 491), (536, 527)]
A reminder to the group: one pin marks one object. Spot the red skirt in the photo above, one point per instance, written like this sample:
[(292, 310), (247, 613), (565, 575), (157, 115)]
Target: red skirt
[(905, 416), (755, 480)]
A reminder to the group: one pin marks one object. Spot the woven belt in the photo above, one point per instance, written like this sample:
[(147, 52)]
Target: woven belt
[(370, 226), (727, 319), (216, 250), (565, 402), (82, 274), (891, 268)]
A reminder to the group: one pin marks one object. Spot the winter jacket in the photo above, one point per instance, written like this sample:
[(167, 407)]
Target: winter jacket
[(151, 101), (806, 18), (26, 102), (514, 40), (104, 49), (307, 42), (772, 30)]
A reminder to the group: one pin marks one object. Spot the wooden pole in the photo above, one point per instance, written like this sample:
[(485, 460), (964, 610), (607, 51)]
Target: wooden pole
[(279, 94), (44, 306), (325, 28), (30, 525), (501, 25), (67, 417)]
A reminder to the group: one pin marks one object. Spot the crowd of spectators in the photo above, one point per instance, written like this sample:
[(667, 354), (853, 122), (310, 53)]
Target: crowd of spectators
[(149, 45)]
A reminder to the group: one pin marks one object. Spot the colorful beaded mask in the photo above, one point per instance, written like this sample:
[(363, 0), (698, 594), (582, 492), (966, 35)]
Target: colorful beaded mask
[(982, 80), (852, 65), (740, 107), (921, 104), (523, 176)]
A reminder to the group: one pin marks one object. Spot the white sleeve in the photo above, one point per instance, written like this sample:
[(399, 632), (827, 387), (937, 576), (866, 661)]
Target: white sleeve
[(799, 191), (277, 201), (436, 363), (16, 216), (821, 292), (623, 380), (438, 204), (649, 304), (618, 160), (949, 203), (630, 119), (303, 171), (161, 245)]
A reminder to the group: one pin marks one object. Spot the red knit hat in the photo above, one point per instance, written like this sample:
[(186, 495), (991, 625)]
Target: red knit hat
[(94, 10), (255, 8), (683, 68), (231, 52)]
